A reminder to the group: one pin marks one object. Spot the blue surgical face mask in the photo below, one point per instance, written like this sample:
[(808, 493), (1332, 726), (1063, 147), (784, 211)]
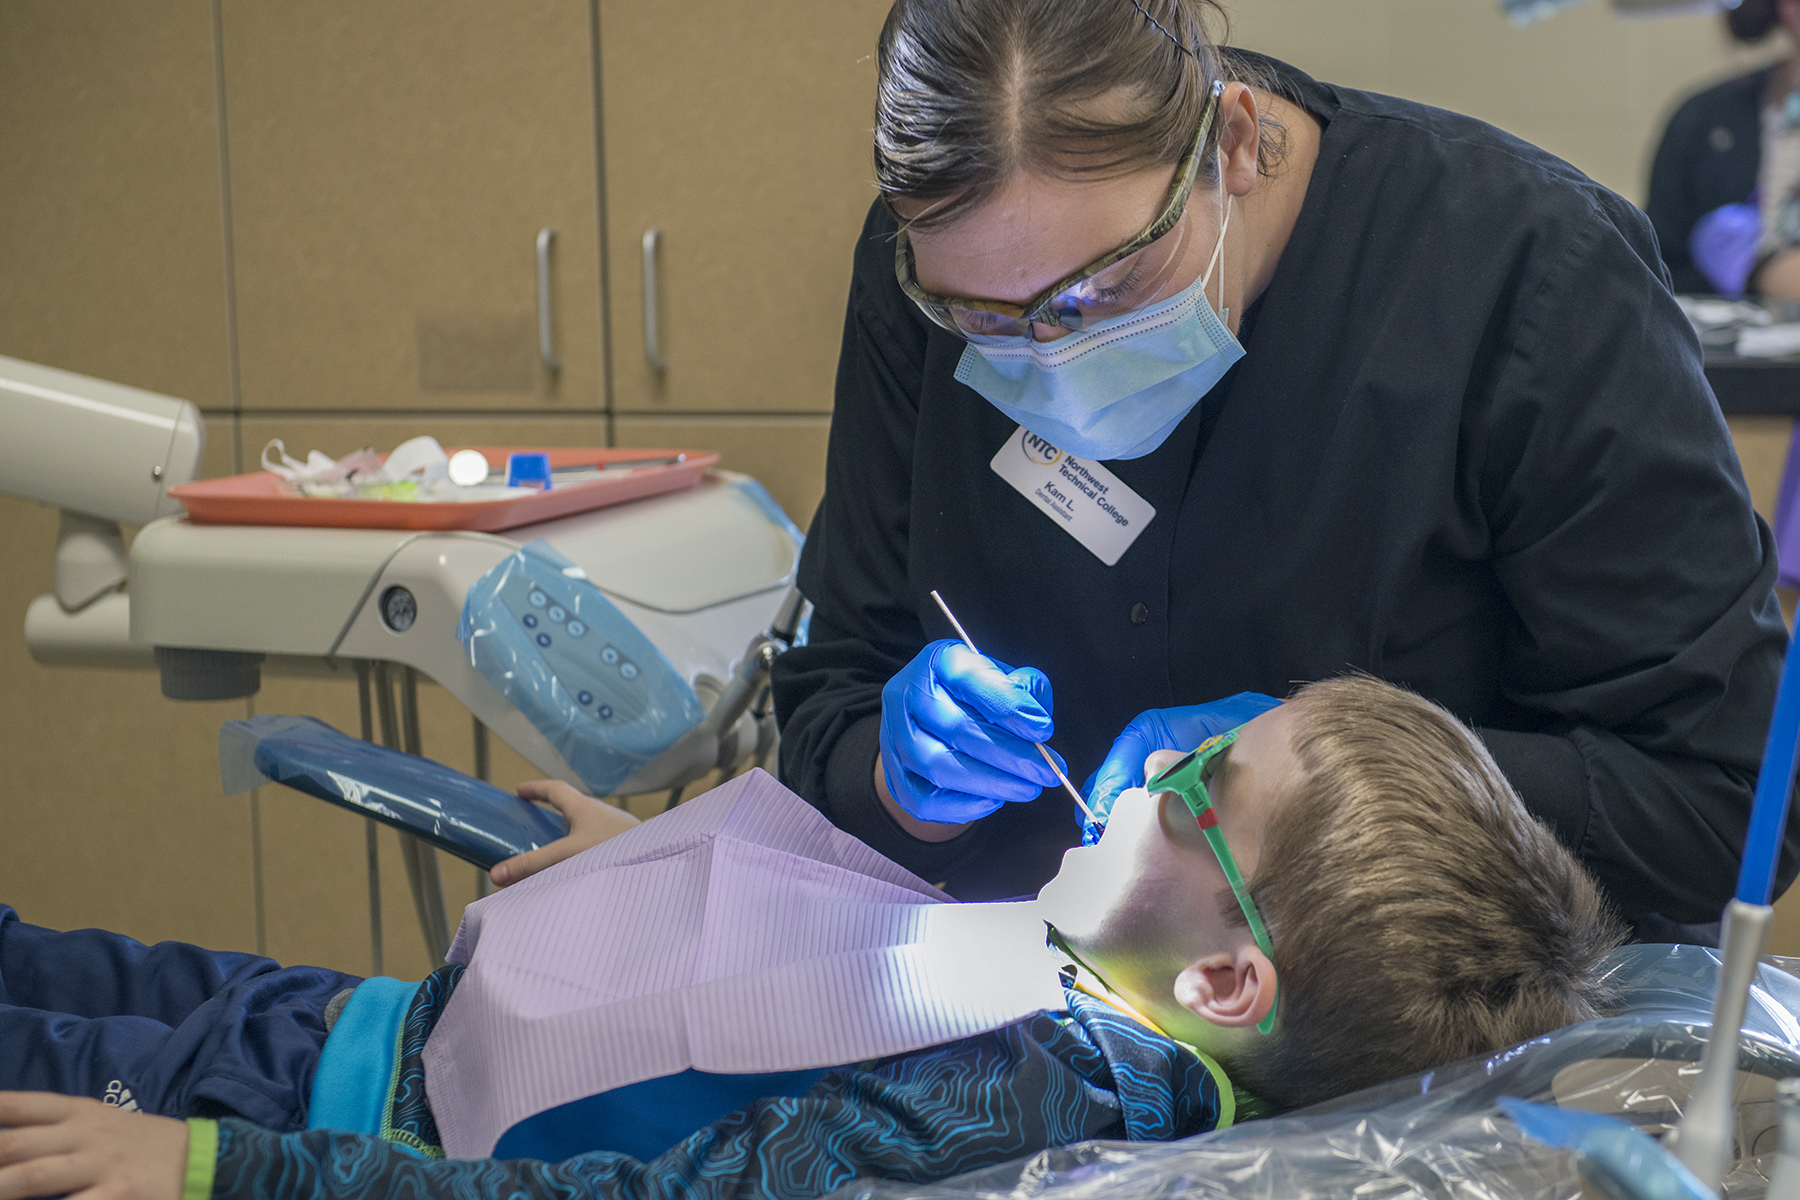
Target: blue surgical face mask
[(1117, 390)]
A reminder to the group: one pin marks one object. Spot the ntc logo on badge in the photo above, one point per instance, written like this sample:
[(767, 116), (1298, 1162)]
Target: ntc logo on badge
[(1087, 501), (1039, 451)]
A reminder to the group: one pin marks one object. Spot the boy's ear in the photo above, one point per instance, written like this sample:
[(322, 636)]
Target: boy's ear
[(1229, 989)]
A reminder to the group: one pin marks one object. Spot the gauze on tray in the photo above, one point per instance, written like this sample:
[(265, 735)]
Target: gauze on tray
[(740, 933)]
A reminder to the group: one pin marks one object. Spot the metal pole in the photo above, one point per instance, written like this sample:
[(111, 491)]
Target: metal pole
[(421, 859), (365, 705), (483, 885)]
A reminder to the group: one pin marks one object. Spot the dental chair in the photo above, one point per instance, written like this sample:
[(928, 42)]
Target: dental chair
[(1439, 1135)]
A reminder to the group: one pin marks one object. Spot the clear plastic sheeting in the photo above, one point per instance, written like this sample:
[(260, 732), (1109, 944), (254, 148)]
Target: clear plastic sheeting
[(464, 816), (539, 630), (1441, 1135)]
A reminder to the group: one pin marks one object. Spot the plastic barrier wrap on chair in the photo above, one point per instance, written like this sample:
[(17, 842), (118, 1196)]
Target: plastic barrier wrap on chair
[(1441, 1135), (452, 811), (548, 640)]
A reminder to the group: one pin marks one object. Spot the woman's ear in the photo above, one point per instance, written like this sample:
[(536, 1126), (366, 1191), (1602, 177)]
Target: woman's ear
[(1228, 989), (1240, 138)]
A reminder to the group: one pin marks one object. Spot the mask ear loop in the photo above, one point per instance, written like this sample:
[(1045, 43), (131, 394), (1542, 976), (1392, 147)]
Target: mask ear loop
[(1218, 254)]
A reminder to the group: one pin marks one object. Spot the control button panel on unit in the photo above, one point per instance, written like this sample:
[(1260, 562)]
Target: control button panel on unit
[(607, 685)]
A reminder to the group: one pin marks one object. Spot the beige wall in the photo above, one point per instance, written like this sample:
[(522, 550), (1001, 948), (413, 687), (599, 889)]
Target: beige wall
[(1587, 85)]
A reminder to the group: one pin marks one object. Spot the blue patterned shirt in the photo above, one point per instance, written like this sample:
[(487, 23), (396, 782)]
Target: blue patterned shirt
[(1049, 1080)]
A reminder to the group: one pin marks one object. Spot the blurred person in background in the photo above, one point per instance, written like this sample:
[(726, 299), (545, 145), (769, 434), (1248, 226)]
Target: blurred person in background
[(1724, 181)]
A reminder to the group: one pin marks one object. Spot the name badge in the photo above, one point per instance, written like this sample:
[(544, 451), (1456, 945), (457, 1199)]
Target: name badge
[(1083, 497)]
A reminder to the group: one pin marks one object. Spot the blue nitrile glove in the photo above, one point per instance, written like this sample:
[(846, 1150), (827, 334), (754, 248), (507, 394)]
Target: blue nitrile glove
[(957, 730), (1161, 729)]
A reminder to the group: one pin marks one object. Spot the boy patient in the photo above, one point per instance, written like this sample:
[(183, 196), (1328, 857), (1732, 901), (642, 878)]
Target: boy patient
[(1411, 913)]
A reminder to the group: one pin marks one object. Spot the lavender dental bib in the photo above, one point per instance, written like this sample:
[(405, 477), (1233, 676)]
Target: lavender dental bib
[(740, 933)]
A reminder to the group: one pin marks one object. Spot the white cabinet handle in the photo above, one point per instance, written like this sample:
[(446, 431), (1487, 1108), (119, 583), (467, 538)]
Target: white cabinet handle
[(546, 342), (652, 336)]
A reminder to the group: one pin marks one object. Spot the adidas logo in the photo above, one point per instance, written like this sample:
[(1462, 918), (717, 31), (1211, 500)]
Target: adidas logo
[(119, 1096)]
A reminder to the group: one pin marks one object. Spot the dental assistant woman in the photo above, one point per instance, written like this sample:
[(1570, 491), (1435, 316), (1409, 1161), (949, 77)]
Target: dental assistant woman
[(1183, 376)]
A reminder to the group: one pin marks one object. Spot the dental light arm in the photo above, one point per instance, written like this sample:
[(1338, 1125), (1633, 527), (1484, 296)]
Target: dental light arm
[(104, 454)]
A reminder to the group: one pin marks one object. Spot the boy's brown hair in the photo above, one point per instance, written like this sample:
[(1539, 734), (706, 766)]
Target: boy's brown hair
[(1419, 913)]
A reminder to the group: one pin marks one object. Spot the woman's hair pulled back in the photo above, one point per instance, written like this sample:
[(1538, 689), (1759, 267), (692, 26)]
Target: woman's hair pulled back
[(1753, 20), (972, 91)]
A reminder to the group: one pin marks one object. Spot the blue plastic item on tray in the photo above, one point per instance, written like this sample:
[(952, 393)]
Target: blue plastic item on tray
[(528, 469), (454, 812)]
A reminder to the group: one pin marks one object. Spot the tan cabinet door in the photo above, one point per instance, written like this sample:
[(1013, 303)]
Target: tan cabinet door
[(391, 168), (112, 263), (112, 250), (742, 133)]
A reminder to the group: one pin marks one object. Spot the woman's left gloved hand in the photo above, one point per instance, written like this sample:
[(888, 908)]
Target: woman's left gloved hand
[(1161, 729)]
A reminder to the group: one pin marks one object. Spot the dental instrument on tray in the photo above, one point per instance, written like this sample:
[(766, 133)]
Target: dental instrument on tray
[(1049, 761), (567, 475), (1703, 1141)]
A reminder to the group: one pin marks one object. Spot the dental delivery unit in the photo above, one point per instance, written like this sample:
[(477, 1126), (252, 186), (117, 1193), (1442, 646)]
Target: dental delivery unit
[(624, 648)]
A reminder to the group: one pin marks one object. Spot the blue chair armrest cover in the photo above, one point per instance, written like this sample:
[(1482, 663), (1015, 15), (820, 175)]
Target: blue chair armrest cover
[(452, 811)]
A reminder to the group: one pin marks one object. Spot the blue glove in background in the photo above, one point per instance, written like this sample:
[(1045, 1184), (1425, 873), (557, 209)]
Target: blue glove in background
[(957, 734), (1161, 729)]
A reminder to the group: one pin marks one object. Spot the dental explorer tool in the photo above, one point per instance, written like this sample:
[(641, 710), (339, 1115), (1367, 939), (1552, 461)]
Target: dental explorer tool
[(1048, 761)]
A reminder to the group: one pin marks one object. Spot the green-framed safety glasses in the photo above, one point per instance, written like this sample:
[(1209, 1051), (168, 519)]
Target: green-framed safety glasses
[(1095, 293), (1186, 777)]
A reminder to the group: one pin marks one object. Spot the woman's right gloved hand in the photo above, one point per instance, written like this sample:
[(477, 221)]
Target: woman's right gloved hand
[(958, 732)]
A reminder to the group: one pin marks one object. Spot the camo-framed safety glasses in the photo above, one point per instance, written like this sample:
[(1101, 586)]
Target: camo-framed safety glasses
[(1186, 777), (1105, 288)]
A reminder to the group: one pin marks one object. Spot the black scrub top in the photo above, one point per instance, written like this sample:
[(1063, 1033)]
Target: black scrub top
[(1709, 156), (1469, 450)]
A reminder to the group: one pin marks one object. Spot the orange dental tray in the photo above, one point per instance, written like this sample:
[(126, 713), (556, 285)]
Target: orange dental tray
[(265, 498)]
